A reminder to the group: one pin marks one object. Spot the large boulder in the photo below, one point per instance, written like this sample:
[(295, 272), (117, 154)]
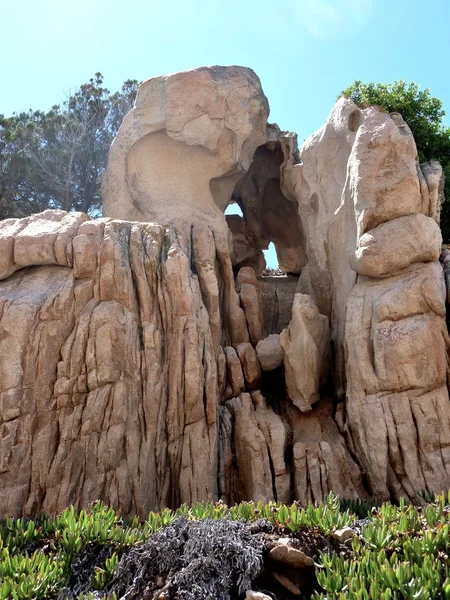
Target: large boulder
[(305, 344), (394, 245), (184, 145), (270, 352)]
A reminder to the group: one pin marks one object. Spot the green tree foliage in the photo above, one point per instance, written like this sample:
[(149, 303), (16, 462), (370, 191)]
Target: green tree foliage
[(56, 159), (424, 115)]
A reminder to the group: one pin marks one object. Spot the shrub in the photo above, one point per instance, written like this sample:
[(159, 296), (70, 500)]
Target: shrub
[(397, 552)]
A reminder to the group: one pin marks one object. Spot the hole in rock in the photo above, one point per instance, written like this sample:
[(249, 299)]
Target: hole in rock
[(233, 209), (264, 223), (354, 120), (271, 258), (273, 388)]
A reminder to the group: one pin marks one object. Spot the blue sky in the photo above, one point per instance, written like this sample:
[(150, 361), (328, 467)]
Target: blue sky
[(305, 51)]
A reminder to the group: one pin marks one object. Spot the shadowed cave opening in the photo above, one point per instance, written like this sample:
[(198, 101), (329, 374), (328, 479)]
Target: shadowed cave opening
[(270, 254), (268, 236), (273, 388), (267, 232), (262, 219)]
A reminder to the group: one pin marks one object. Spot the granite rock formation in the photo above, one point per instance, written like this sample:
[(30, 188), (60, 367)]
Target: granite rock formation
[(145, 360), (374, 270), (180, 151), (305, 343)]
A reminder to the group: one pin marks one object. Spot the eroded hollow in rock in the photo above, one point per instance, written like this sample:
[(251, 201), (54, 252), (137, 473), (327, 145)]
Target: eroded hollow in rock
[(273, 388), (268, 216)]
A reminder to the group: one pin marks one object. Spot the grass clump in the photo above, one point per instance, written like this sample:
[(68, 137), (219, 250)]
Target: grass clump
[(395, 552)]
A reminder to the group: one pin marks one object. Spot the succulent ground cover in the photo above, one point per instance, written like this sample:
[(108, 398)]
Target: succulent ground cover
[(360, 551)]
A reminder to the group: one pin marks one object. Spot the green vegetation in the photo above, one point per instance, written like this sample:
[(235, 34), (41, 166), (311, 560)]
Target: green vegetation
[(55, 159), (397, 552), (424, 115), (402, 553)]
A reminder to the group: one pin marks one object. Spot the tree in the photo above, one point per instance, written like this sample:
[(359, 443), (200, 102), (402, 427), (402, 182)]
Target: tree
[(56, 159), (18, 191), (424, 115)]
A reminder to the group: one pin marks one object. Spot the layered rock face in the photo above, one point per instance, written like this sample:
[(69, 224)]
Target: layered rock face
[(374, 271), (144, 362), (109, 370)]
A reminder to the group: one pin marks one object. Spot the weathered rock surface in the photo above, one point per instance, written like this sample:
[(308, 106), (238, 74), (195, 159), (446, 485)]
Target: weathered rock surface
[(322, 460), (130, 356), (395, 245), (359, 170), (208, 122), (43, 239), (397, 397), (108, 371), (245, 252), (434, 178), (270, 352), (251, 301), (236, 382), (276, 436), (250, 365), (445, 260), (251, 454), (367, 208), (277, 299), (305, 345), (253, 441), (319, 185)]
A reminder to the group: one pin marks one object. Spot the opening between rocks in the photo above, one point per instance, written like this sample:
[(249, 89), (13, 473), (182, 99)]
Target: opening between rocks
[(259, 215)]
